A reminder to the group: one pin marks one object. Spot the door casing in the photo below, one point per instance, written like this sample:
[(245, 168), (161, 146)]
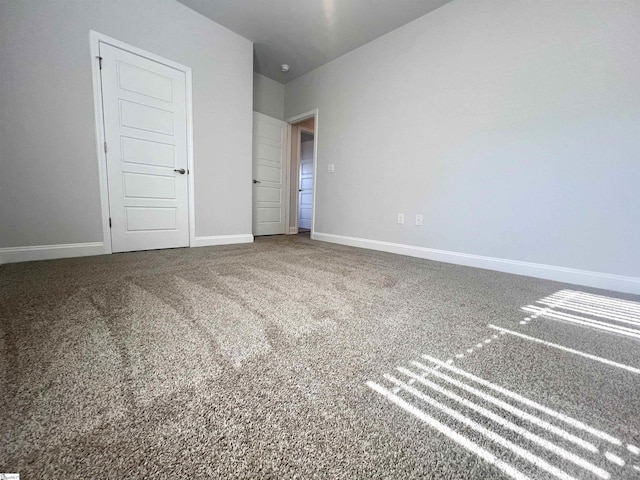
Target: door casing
[(295, 119)]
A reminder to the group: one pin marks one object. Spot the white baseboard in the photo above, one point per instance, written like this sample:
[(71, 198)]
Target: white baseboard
[(222, 240), (293, 230), (49, 252), (587, 278)]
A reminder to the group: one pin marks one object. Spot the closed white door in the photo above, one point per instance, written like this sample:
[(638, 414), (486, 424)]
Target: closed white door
[(145, 121), (305, 200), (270, 190)]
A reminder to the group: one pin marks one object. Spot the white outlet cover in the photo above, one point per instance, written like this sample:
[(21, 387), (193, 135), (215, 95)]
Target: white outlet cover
[(331, 168), (401, 218), (419, 219)]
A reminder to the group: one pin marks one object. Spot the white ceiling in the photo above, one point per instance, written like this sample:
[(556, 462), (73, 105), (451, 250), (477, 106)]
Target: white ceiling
[(308, 33)]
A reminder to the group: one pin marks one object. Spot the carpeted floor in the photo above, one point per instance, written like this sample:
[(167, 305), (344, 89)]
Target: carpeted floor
[(252, 361)]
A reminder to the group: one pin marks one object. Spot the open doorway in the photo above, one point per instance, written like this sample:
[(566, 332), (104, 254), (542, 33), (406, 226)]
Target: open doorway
[(305, 182), (302, 173)]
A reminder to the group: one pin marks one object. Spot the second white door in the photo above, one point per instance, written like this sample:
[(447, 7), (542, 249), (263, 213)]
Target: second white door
[(270, 191), (305, 195), (144, 106)]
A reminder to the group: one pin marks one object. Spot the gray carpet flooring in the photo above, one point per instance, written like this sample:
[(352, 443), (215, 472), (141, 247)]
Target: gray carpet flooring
[(278, 360)]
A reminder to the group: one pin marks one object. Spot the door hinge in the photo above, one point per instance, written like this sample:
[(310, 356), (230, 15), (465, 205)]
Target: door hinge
[(109, 222), (99, 61), (105, 147)]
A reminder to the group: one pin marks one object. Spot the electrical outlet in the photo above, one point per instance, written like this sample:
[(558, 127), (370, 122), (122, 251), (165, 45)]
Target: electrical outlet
[(331, 168), (419, 219), (401, 218)]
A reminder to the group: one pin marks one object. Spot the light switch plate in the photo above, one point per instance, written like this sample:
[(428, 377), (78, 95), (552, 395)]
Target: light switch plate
[(331, 168)]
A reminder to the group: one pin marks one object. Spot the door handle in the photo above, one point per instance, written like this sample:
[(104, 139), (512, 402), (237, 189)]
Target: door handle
[(299, 189), (256, 181), (181, 171)]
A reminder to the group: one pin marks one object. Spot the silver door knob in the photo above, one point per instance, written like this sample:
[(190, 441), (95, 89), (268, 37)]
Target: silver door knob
[(256, 181), (181, 171)]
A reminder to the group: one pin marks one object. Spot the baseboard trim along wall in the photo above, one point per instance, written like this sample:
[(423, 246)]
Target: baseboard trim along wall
[(50, 252), (222, 240), (587, 278), (69, 250)]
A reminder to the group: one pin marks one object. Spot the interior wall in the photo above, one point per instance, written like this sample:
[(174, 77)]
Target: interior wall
[(309, 124), (268, 96), (512, 126), (49, 188)]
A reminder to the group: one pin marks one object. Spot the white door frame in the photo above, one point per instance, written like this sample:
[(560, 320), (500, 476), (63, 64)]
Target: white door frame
[(95, 38), (296, 119)]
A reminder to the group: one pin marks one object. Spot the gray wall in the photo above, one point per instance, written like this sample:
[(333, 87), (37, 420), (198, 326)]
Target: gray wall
[(268, 96), (49, 190), (512, 126)]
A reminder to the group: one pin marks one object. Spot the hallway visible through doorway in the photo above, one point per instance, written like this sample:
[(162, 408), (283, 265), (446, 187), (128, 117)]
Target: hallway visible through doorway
[(303, 146)]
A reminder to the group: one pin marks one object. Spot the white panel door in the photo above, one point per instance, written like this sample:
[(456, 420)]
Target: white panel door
[(305, 195), (270, 190), (145, 121)]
